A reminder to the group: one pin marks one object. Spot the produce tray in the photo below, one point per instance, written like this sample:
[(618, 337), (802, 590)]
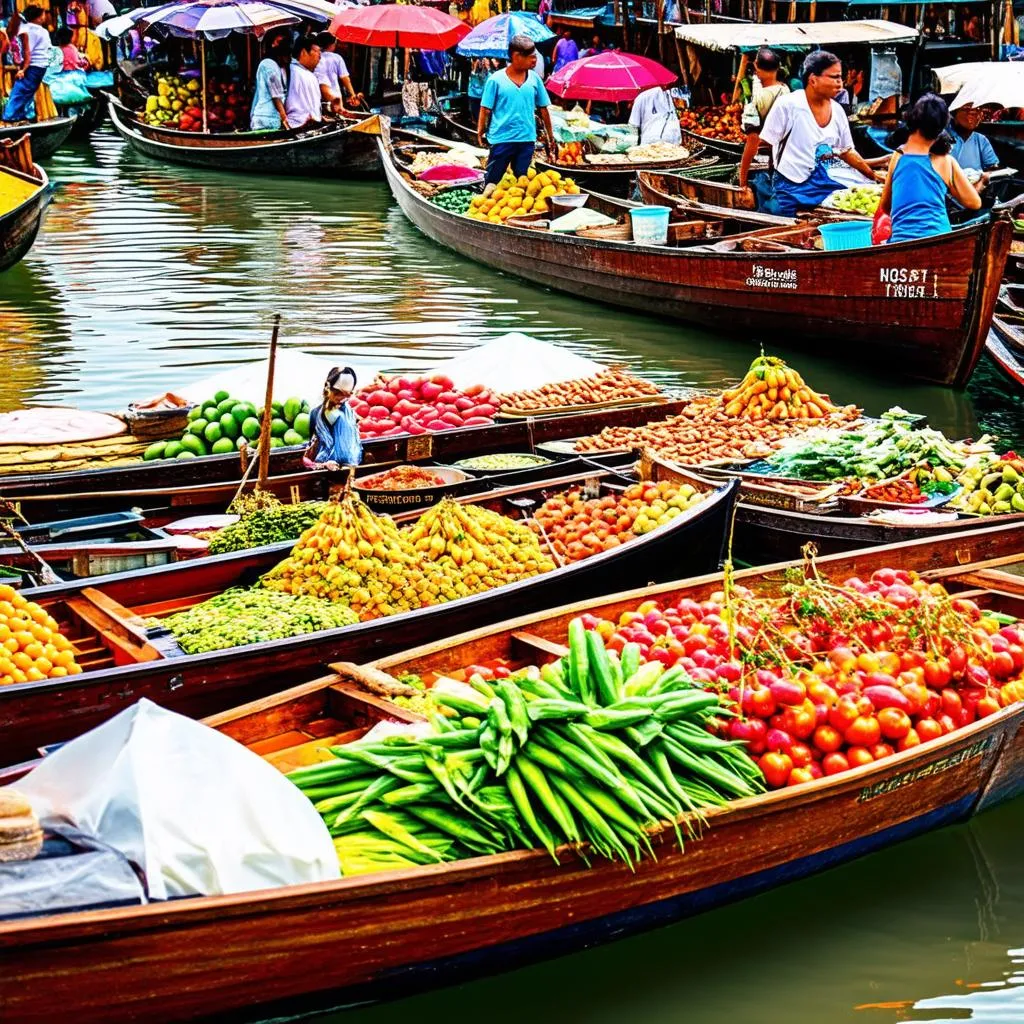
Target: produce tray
[(858, 505), (511, 469), (390, 501), (572, 410)]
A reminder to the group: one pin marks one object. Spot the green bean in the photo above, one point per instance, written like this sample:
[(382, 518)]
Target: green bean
[(517, 790), (537, 781), (600, 669)]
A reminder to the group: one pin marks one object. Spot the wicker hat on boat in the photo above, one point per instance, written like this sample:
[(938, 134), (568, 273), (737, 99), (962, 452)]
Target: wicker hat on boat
[(21, 838)]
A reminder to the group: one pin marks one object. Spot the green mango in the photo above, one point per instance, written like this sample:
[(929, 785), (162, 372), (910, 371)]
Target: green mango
[(985, 509), (1010, 475), (1017, 503), (1001, 507), (1004, 492)]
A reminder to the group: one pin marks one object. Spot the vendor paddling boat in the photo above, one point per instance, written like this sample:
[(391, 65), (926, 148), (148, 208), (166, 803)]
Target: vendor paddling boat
[(384, 935), (165, 489), (345, 148), (124, 659), (25, 193), (46, 136), (765, 281)]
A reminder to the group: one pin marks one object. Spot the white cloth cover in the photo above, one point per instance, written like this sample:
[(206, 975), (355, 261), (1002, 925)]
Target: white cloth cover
[(200, 813)]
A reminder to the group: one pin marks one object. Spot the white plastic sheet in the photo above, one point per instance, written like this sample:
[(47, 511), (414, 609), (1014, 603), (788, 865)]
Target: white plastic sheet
[(515, 362), (200, 813)]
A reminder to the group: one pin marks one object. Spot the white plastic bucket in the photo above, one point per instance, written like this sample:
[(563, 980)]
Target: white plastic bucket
[(650, 224)]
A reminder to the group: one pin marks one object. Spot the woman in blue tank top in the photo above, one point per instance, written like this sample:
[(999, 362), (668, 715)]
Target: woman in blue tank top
[(922, 174)]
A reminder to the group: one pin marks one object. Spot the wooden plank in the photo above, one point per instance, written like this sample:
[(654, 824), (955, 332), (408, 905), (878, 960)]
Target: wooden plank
[(112, 633), (526, 645), (947, 571)]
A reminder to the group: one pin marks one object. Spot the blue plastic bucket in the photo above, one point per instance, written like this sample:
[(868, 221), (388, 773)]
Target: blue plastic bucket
[(650, 224), (846, 234)]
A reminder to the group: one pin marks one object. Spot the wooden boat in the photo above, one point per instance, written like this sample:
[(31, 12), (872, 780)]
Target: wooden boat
[(617, 179), (209, 482), (1005, 347), (88, 117), (46, 136), (25, 194), (345, 149), (301, 948), (123, 660), (860, 300), (729, 150), (454, 122), (708, 185)]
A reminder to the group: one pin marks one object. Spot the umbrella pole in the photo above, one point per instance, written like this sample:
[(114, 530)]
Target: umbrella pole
[(202, 73)]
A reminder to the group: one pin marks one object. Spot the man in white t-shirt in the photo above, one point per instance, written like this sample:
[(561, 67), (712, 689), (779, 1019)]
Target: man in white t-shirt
[(332, 74), (302, 104), (812, 147), (655, 115), (35, 58)]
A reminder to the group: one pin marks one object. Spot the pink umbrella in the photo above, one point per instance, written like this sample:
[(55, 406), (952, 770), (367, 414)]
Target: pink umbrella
[(399, 25), (611, 76)]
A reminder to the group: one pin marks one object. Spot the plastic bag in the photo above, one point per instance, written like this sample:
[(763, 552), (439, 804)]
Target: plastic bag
[(198, 812), (881, 227), (68, 87)]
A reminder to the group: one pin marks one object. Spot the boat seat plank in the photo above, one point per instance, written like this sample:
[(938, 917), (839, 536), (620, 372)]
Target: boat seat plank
[(130, 620), (160, 609), (525, 646), (968, 566), (993, 579), (354, 704), (119, 640)]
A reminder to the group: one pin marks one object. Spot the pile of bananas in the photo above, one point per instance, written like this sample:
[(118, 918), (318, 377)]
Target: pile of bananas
[(355, 557), (991, 488), (773, 391), (475, 549)]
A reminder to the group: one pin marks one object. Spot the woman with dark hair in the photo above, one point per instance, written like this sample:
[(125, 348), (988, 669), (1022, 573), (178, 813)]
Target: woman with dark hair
[(333, 427), (812, 148), (268, 112), (921, 176)]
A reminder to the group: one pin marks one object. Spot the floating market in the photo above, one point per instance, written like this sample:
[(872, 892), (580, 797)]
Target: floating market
[(478, 484)]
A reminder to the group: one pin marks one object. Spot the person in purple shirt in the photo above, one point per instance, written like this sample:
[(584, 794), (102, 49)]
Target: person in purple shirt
[(566, 51)]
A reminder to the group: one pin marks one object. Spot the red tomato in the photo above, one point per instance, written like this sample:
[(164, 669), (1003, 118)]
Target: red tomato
[(822, 693), (937, 674), (827, 738), (880, 750), (843, 714), (947, 722), (894, 723), (1001, 665), (776, 768), (798, 776), (910, 740), (778, 740), (957, 661), (917, 694), (987, 706), (801, 755), (858, 756), (864, 731), (833, 764), (927, 729), (951, 702), (800, 721)]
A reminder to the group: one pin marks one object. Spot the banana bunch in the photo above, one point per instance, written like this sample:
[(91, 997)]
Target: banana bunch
[(991, 488), (772, 391)]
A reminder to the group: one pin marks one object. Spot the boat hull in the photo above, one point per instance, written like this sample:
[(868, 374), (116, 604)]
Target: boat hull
[(337, 151), (36, 714), (20, 226), (47, 136), (296, 949), (861, 302)]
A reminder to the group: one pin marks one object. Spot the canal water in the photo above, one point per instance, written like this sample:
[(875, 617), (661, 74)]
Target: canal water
[(147, 277)]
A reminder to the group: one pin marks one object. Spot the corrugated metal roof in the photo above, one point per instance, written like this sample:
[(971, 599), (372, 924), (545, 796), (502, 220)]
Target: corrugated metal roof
[(795, 36)]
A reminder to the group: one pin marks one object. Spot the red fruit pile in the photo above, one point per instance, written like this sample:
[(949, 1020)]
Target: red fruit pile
[(226, 109), (414, 405), (832, 677)]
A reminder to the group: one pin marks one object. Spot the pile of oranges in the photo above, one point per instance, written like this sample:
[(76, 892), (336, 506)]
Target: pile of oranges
[(32, 646)]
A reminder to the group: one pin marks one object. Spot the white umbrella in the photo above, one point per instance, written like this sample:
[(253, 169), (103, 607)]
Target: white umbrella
[(976, 84)]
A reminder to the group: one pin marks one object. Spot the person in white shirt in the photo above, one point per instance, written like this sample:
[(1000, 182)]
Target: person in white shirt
[(812, 148), (35, 58), (332, 74), (303, 102), (655, 115)]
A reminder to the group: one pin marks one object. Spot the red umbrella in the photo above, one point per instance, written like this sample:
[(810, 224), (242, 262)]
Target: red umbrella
[(611, 76), (399, 25)]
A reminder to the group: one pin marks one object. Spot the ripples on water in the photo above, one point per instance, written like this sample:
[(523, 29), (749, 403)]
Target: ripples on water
[(148, 276)]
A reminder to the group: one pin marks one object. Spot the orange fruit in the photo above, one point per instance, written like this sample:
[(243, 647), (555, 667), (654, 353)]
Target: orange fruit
[(44, 665), (64, 658), (11, 644), (22, 660), (57, 672), (24, 638), (33, 675), (34, 650), (38, 614), (74, 670)]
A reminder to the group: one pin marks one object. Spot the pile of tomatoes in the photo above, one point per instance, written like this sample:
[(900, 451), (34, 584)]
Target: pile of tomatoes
[(832, 677), (714, 122), (578, 527)]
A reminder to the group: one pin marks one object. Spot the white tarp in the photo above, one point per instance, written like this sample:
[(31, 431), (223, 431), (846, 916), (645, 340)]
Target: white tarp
[(296, 373), (980, 83), (515, 362), (745, 36), (200, 813)]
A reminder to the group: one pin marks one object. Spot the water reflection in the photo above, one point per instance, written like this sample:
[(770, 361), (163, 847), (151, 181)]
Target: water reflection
[(930, 930)]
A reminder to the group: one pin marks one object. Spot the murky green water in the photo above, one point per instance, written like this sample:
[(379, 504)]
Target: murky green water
[(146, 277)]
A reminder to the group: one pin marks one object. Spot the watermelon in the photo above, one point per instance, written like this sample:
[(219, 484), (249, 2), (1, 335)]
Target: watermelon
[(195, 412), (277, 427), (302, 424), (185, 455)]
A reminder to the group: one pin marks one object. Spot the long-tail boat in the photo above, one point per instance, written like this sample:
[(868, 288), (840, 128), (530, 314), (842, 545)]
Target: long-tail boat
[(1009, 357), (925, 305), (336, 148), (25, 193), (124, 658), (47, 136), (169, 486), (297, 949)]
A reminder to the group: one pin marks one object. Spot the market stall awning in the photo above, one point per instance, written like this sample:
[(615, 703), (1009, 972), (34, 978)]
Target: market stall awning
[(583, 17), (797, 36), (981, 82)]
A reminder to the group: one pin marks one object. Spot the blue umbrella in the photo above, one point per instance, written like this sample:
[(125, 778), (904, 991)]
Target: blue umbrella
[(490, 38)]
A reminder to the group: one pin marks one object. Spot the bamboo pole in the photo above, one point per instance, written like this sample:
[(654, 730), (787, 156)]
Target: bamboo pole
[(268, 412), (202, 73)]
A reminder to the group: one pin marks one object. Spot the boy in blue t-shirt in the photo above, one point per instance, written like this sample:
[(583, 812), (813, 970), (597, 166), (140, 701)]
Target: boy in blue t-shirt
[(508, 109)]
